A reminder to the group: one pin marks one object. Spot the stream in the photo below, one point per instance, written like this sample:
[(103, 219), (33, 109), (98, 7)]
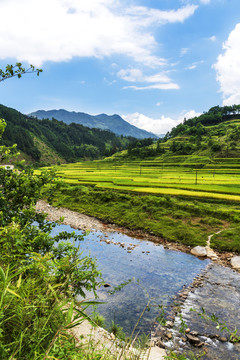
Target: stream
[(157, 275)]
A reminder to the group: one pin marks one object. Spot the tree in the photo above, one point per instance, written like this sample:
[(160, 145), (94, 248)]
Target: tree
[(39, 273)]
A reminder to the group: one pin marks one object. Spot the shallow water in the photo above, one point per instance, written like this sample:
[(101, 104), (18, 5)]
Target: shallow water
[(158, 275), (218, 295)]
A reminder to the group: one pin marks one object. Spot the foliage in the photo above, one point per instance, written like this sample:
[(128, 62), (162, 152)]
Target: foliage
[(70, 142), (142, 341), (34, 315), (188, 217), (98, 319), (120, 286), (174, 356), (214, 133), (17, 70), (220, 325), (117, 330), (38, 272)]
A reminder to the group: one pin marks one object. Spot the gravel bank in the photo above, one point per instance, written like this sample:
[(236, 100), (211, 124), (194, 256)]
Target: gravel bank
[(85, 222), (72, 218)]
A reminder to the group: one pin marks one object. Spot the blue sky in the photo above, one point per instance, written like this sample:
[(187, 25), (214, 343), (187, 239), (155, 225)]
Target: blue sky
[(153, 62)]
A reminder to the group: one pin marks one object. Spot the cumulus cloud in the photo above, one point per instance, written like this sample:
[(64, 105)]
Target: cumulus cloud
[(160, 81), (37, 31), (228, 68), (158, 126)]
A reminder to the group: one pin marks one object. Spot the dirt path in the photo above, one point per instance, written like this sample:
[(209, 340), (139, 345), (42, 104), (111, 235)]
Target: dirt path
[(211, 254)]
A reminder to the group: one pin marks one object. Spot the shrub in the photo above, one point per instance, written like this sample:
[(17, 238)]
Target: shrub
[(38, 272)]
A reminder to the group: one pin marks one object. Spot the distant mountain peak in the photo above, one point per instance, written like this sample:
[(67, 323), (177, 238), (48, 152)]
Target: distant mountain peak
[(114, 123)]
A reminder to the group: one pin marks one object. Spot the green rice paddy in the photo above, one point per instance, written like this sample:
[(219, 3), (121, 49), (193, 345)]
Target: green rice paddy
[(182, 202), (221, 181)]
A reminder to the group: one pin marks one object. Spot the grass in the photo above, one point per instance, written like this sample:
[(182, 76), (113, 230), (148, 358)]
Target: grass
[(176, 201), (184, 220), (145, 177), (228, 239)]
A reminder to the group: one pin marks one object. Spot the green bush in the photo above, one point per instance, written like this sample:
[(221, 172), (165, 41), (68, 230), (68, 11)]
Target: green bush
[(38, 272)]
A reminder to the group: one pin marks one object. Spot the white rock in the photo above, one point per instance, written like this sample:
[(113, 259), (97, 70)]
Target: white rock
[(235, 262), (199, 251)]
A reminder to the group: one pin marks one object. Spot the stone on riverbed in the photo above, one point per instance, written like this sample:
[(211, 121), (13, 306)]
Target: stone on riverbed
[(235, 262), (194, 340), (199, 251)]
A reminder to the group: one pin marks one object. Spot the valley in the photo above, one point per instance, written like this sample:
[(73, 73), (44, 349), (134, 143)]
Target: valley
[(173, 193)]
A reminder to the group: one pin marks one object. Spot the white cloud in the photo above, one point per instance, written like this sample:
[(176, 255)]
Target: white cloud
[(37, 31), (191, 67), (212, 38), (160, 81), (194, 65), (148, 16), (169, 86), (109, 83), (228, 68), (131, 75), (157, 126), (184, 51), (205, 1), (189, 114)]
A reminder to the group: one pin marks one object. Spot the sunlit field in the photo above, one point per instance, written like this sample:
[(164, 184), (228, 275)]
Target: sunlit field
[(217, 182), (178, 201)]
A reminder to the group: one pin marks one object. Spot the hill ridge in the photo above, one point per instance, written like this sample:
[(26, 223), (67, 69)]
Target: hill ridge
[(115, 123)]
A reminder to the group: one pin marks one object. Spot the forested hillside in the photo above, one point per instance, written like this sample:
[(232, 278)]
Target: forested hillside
[(48, 141), (214, 134), (214, 116)]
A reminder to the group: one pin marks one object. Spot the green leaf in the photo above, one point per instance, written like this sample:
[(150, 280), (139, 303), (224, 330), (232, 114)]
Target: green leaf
[(2, 274), (19, 281), (13, 292), (70, 313)]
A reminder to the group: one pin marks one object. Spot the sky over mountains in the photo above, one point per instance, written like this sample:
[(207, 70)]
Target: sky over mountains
[(152, 62)]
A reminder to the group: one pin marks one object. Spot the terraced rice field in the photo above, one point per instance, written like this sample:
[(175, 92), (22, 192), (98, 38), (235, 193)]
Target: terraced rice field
[(220, 180)]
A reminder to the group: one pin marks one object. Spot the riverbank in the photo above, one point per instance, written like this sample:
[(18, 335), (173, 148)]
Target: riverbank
[(86, 333), (84, 222)]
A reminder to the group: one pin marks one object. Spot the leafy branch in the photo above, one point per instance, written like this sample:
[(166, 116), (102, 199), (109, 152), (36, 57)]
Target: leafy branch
[(17, 70)]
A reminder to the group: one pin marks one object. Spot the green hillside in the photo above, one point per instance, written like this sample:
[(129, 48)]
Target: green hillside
[(51, 141), (182, 188), (205, 139)]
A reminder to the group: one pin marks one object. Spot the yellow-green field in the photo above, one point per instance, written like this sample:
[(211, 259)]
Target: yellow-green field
[(211, 181)]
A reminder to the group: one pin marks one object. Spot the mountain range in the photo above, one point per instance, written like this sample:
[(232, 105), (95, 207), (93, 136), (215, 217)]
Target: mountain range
[(47, 142), (114, 123)]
